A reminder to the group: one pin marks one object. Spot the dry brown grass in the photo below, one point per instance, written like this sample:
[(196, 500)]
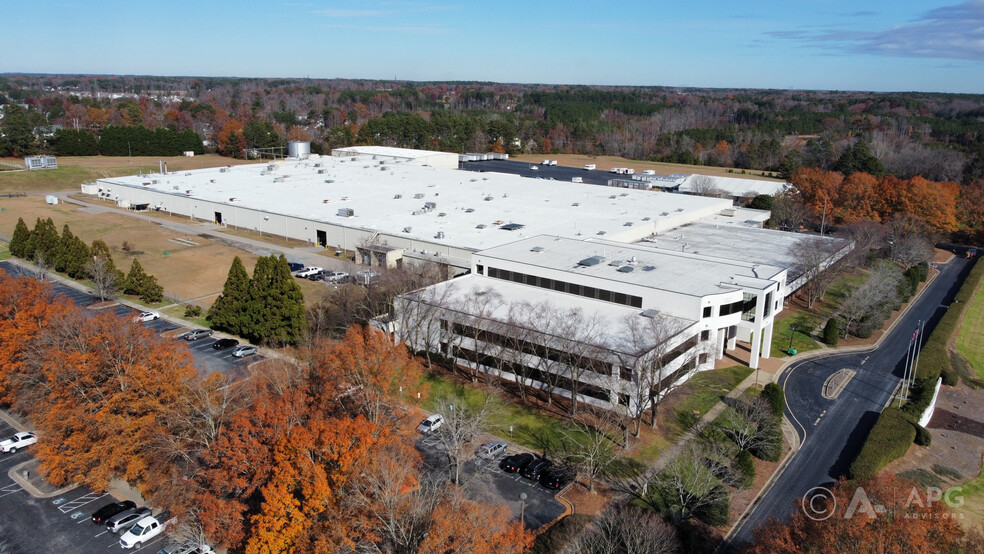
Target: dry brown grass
[(608, 162)]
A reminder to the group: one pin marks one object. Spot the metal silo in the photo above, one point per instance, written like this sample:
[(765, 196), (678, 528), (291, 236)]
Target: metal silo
[(299, 149)]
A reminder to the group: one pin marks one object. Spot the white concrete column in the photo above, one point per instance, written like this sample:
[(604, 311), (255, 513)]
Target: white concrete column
[(767, 340), (753, 357), (733, 341), (719, 352)]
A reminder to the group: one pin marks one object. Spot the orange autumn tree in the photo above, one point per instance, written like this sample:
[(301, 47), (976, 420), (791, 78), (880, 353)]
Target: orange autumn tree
[(108, 382), (461, 525), (912, 521)]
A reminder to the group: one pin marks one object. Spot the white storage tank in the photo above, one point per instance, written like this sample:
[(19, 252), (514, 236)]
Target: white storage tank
[(298, 149)]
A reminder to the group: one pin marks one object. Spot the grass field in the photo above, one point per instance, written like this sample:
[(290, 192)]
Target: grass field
[(73, 171), (608, 162), (970, 337), (702, 392), (804, 323)]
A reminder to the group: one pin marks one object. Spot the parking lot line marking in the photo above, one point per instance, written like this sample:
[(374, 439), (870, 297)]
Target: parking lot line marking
[(79, 502), (10, 489)]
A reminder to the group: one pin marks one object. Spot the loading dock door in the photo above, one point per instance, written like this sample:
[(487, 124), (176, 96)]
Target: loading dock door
[(322, 238), (218, 218)]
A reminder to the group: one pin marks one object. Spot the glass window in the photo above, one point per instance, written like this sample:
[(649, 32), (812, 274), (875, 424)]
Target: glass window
[(532, 280), (619, 298), (560, 286), (518, 277), (707, 311), (590, 292), (481, 269), (605, 295), (636, 301)]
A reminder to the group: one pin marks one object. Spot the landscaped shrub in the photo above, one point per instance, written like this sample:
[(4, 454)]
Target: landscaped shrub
[(889, 439), (831, 332), (745, 467), (193, 310), (715, 513), (923, 436), (923, 269), (774, 396)]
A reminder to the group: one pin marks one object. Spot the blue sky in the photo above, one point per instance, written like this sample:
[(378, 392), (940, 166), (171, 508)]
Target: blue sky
[(889, 45)]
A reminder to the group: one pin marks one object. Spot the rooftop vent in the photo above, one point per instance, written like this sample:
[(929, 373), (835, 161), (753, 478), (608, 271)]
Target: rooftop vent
[(647, 218), (439, 235), (626, 269), (576, 204), (665, 213), (397, 196), (488, 198), (224, 170), (469, 210), (418, 195), (329, 180), (649, 313), (536, 249), (512, 226), (480, 226), (627, 224), (649, 268), (593, 260), (615, 263), (322, 171), (407, 229), (601, 233), (442, 214), (679, 209)]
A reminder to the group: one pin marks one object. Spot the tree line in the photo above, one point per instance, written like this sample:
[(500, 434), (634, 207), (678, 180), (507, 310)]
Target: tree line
[(312, 453), (68, 254)]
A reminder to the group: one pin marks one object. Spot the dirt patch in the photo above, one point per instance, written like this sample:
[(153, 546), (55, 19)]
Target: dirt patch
[(587, 502), (741, 499), (607, 162)]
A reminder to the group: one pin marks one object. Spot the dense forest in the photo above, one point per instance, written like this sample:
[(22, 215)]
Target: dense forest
[(935, 136)]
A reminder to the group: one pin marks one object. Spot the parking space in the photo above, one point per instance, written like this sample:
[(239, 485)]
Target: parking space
[(209, 360), (58, 524), (484, 481)]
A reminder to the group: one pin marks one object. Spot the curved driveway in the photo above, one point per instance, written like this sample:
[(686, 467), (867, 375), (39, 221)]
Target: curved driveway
[(832, 431)]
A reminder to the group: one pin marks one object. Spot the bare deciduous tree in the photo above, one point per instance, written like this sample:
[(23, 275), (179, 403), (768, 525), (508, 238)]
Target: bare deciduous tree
[(105, 278), (704, 185), (867, 236), (908, 241), (626, 529), (749, 424), (589, 446), (814, 261), (788, 212), (42, 265), (878, 293), (462, 423)]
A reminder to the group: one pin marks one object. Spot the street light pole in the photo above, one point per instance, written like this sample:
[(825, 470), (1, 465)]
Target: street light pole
[(522, 508), (792, 331)]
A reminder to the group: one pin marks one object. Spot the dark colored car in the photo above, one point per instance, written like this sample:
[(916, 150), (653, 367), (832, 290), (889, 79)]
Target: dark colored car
[(535, 469), (222, 344), (294, 266), (556, 477), (319, 276), (110, 510), (516, 462), (197, 334)]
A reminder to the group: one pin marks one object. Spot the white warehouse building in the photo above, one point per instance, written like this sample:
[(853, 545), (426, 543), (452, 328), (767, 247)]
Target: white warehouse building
[(606, 321)]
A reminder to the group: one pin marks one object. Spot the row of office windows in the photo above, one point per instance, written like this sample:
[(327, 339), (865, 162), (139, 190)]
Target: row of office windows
[(563, 286)]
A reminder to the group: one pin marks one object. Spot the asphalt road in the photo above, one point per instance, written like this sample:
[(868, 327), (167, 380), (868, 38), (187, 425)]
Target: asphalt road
[(833, 431)]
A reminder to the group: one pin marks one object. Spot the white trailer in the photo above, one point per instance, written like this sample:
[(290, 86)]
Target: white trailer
[(589, 166)]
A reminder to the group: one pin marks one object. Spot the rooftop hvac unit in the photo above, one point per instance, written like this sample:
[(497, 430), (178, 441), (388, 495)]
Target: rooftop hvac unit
[(649, 313), (536, 249), (407, 229), (232, 200), (278, 179), (346, 212), (439, 235), (223, 170), (430, 205), (188, 174), (469, 210), (264, 172), (397, 196), (488, 199), (329, 181), (626, 269), (627, 224), (272, 167), (175, 187), (418, 195), (322, 171), (319, 164), (480, 226), (593, 260), (155, 181), (383, 168)]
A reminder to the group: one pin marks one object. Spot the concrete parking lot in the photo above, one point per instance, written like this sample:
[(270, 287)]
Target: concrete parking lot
[(205, 359), (484, 481), (58, 523)]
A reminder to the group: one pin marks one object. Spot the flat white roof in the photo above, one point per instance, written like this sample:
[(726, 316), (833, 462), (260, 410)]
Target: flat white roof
[(407, 153), (473, 293), (681, 272), (389, 196), (736, 186)]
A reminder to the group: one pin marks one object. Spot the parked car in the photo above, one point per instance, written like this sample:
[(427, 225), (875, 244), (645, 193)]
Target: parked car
[(432, 423), (146, 316), (336, 277), (197, 334), (126, 518), (244, 350), (516, 462), (110, 510), (18, 441), (186, 548), (556, 477), (294, 266), (491, 450), (319, 276), (222, 344), (308, 271), (534, 469), (141, 532)]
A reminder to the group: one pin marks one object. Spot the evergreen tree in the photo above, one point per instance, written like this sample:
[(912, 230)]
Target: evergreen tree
[(151, 292), (276, 305), (135, 279), (18, 242), (47, 242), (67, 238), (76, 256), (228, 311), (100, 250), (31, 244)]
